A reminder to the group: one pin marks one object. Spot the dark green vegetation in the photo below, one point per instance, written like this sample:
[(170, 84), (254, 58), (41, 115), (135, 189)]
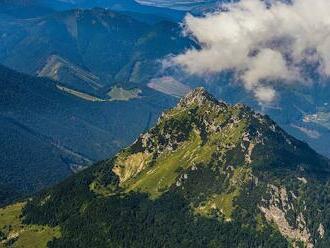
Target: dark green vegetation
[(207, 175), (23, 235), (46, 133)]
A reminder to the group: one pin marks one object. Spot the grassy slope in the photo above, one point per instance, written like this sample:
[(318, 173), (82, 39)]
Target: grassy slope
[(160, 177), (21, 235)]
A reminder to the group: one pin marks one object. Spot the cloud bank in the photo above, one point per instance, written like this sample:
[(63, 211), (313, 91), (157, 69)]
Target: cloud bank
[(265, 44)]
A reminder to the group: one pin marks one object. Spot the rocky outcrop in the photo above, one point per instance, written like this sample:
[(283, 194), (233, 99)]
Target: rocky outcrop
[(128, 167), (276, 210), (198, 96), (321, 230)]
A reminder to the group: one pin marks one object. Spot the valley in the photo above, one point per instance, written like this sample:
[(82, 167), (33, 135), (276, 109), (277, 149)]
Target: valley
[(48, 133)]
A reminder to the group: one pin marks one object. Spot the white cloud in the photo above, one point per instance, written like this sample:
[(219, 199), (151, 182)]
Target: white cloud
[(264, 45)]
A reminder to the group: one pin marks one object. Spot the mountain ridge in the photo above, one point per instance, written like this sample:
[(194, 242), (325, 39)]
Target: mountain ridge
[(208, 174)]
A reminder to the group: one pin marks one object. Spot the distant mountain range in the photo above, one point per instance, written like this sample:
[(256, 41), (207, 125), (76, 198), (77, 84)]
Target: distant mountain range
[(97, 41), (208, 174), (165, 9), (183, 4)]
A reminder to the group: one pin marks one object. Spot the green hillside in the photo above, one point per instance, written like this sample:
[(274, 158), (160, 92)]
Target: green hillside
[(206, 175)]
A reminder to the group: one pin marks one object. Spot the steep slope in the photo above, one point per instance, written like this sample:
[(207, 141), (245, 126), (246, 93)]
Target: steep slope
[(47, 133), (29, 162), (207, 175), (60, 69), (159, 41)]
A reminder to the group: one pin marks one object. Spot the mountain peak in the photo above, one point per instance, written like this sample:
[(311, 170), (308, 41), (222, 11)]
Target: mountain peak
[(198, 96), (205, 162)]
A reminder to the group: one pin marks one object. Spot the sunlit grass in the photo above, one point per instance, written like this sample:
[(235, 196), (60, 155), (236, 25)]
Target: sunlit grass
[(21, 235)]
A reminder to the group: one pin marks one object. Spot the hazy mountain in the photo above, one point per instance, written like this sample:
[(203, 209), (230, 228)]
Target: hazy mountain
[(95, 39), (185, 5), (47, 131), (117, 5), (24, 8), (208, 174), (110, 46), (35, 8)]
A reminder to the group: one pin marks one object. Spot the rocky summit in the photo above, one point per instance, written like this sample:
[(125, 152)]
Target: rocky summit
[(208, 174)]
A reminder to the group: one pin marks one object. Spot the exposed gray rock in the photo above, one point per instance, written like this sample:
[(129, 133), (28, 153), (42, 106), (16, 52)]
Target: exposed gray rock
[(276, 210)]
